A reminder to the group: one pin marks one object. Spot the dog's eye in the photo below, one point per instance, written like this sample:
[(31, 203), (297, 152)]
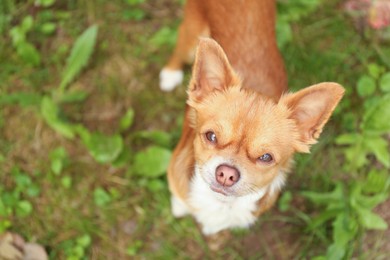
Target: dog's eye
[(211, 137), (267, 158)]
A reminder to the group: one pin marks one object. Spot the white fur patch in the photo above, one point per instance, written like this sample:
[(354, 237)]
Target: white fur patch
[(169, 79), (178, 207), (215, 211)]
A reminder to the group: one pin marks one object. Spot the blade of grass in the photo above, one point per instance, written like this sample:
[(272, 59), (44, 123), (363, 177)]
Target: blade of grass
[(79, 56)]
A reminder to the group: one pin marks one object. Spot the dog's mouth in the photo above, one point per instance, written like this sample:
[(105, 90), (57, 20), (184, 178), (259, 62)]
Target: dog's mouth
[(218, 190)]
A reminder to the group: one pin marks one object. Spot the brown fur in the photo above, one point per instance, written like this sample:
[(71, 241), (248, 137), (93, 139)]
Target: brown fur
[(246, 31)]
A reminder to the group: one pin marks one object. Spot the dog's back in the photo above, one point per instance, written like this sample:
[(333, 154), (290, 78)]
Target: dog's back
[(246, 31)]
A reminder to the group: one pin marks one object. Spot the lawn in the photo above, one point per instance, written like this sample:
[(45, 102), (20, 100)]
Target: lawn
[(86, 134)]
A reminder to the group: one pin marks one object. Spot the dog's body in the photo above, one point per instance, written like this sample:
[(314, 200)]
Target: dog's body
[(240, 131)]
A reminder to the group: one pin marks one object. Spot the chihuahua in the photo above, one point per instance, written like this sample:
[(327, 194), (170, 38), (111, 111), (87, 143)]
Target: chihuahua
[(241, 128)]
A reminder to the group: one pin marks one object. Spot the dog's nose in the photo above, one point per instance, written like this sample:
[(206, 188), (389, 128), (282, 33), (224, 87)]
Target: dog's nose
[(227, 175)]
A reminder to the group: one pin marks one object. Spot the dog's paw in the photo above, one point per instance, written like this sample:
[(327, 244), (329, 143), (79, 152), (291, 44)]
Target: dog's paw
[(169, 79), (179, 209)]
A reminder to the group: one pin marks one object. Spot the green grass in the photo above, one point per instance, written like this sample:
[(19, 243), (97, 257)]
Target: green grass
[(132, 217)]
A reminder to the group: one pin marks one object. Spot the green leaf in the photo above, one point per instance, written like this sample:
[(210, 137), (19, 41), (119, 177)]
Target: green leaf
[(323, 217), (77, 253), (127, 120), (115, 193), (153, 162), (24, 208), (134, 2), (22, 181), (18, 36), (347, 138), (49, 111), (376, 181), (366, 86), (284, 201), (73, 96), (377, 118), (371, 220), (349, 121), (327, 197), (23, 99), (101, 197), (83, 132), (319, 258), (369, 202), (344, 229), (48, 28), (370, 102), (158, 137), (33, 190), (84, 241), (58, 158), (27, 23), (165, 36), (335, 252), (384, 82), (155, 185), (104, 149), (375, 70), (28, 53), (136, 14), (380, 148), (4, 225), (44, 3), (356, 155), (66, 182), (11, 199), (123, 159), (58, 153), (134, 248), (79, 56)]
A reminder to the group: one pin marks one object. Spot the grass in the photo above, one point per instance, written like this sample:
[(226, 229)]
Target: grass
[(133, 219)]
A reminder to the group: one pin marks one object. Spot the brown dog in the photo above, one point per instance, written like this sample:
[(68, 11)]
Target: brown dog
[(240, 131)]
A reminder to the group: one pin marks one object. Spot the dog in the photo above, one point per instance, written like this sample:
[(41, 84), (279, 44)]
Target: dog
[(241, 127)]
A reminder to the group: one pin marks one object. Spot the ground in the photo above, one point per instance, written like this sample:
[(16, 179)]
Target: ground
[(123, 73)]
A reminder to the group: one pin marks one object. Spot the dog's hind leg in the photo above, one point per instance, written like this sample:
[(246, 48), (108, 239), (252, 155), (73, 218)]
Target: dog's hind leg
[(193, 26)]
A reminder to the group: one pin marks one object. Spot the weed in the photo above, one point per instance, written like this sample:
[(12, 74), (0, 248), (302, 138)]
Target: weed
[(25, 49), (101, 197), (79, 56), (288, 12), (134, 12), (349, 206), (133, 249), (152, 162), (76, 249), (375, 122), (14, 200)]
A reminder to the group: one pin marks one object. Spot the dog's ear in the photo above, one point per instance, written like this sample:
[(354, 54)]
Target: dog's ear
[(311, 108), (211, 71)]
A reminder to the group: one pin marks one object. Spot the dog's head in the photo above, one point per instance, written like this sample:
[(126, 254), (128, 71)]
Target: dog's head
[(244, 140)]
